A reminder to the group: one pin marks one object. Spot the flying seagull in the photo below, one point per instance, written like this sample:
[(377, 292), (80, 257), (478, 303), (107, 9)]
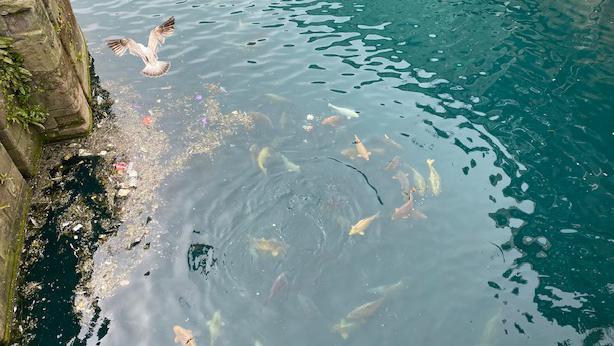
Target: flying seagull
[(149, 54)]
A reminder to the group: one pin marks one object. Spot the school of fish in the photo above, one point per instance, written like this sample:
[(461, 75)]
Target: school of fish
[(409, 184)]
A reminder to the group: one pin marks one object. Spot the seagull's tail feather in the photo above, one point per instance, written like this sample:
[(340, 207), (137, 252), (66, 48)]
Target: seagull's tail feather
[(158, 69)]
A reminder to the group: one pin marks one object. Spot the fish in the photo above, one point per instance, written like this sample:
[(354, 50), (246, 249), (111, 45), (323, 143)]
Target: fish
[(258, 343), (261, 116), (361, 226), (307, 305), (263, 155), (403, 179), (149, 54), (361, 149), (391, 141), (346, 112), (434, 178), (489, 335), (393, 164), (419, 182), (289, 165), (215, 325), (404, 211), (276, 98), (386, 291), (365, 311), (332, 120), (279, 284), (344, 327), (283, 120), (184, 336), (350, 153), (272, 246)]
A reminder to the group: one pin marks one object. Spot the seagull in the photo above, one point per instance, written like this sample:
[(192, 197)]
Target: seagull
[(149, 54)]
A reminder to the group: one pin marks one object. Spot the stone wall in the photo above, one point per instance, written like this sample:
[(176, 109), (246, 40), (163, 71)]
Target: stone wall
[(13, 207), (49, 40), (54, 50)]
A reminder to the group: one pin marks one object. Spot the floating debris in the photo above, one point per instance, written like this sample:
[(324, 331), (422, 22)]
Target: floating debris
[(148, 120)]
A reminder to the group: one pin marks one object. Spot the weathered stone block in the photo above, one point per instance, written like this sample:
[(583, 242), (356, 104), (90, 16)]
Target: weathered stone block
[(49, 39), (13, 199), (13, 6), (23, 146)]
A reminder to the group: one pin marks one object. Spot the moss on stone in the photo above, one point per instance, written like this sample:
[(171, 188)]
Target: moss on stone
[(15, 87)]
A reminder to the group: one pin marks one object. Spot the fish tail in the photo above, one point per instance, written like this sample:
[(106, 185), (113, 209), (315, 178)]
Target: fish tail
[(430, 162)]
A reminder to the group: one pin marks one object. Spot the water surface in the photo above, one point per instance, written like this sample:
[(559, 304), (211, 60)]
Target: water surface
[(512, 99)]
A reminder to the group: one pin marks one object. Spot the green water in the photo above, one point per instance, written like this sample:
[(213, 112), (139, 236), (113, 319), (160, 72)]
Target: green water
[(513, 99)]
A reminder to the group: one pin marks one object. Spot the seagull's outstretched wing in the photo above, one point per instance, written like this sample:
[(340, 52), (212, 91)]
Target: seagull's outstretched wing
[(157, 35), (120, 46)]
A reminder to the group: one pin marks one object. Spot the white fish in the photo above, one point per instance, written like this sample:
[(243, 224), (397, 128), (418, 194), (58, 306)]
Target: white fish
[(346, 112), (289, 165), (215, 326), (149, 54), (276, 98)]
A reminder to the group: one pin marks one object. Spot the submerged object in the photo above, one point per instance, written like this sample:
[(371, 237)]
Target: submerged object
[(361, 149), (215, 326), (419, 182), (289, 165), (149, 54), (331, 120), (272, 246), (403, 179), (361, 226), (434, 178), (279, 284), (183, 336), (263, 155), (393, 164), (346, 112), (391, 141)]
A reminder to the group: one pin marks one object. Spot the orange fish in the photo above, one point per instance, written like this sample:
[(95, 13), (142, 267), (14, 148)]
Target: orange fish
[(184, 336), (361, 149), (406, 209), (332, 120)]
